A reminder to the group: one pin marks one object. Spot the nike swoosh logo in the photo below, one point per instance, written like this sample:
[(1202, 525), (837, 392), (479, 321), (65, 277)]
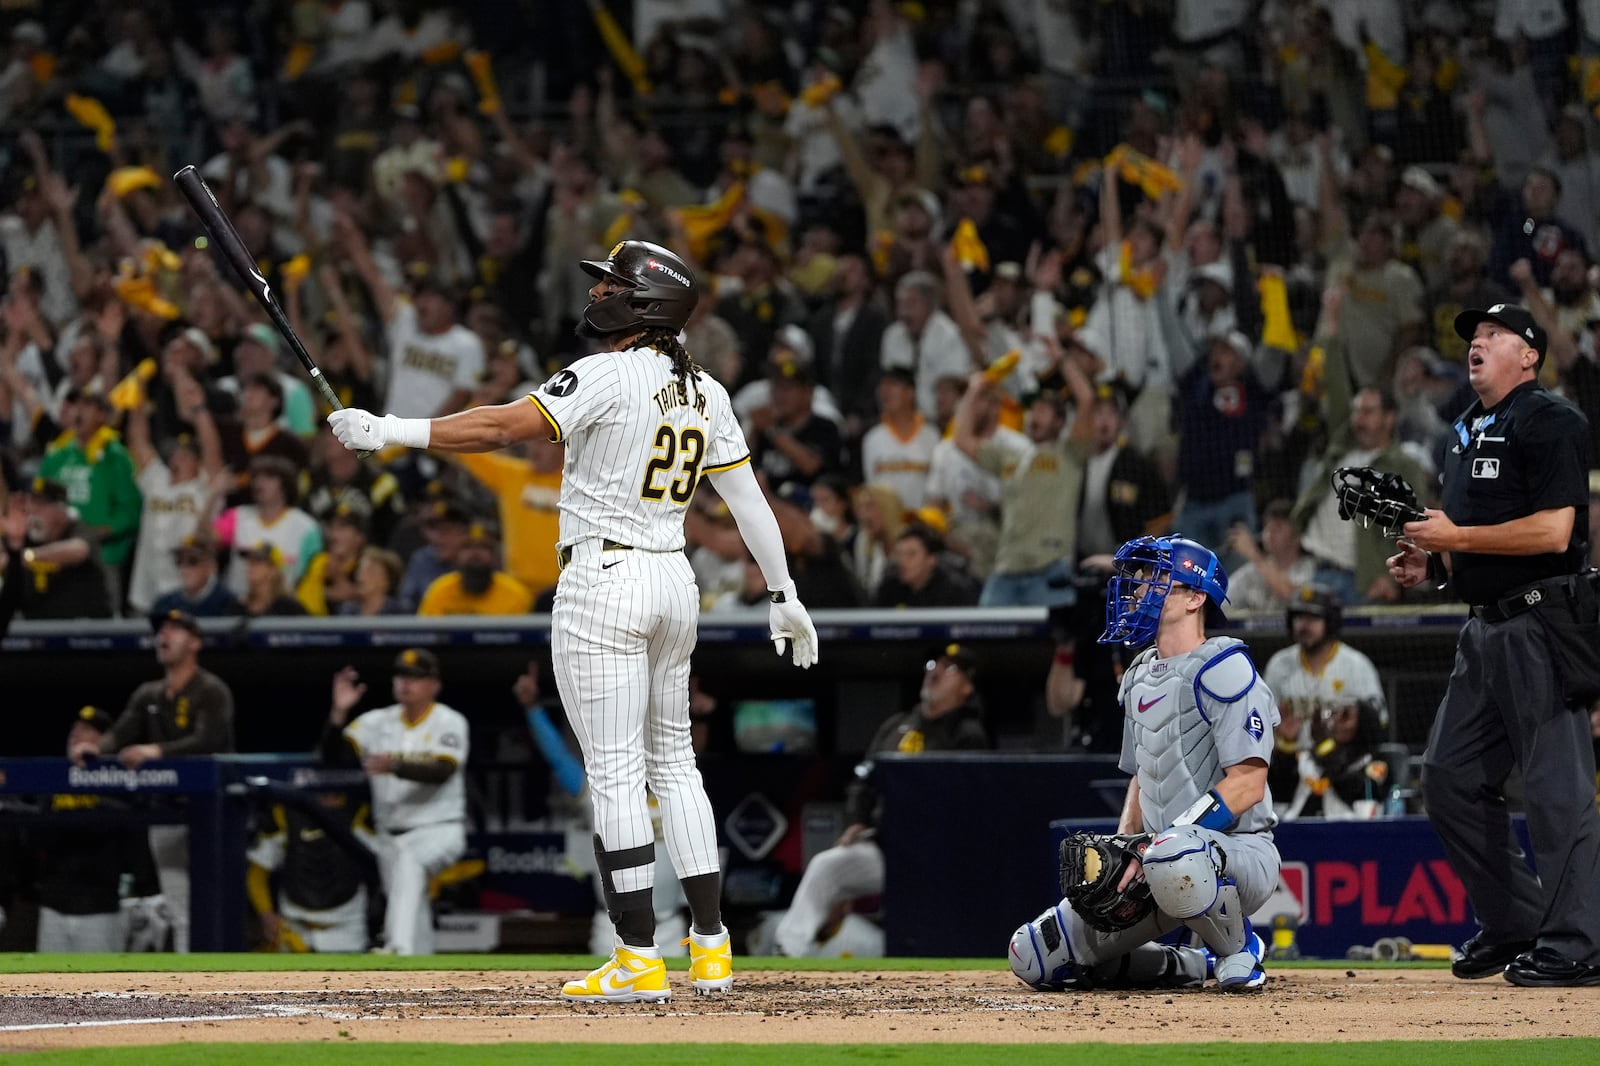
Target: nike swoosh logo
[(1146, 705), (608, 566), (620, 980)]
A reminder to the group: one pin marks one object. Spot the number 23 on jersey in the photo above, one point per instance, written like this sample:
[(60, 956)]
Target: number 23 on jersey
[(674, 468)]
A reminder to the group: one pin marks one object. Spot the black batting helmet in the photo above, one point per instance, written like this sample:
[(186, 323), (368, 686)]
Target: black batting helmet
[(662, 289), (1318, 601)]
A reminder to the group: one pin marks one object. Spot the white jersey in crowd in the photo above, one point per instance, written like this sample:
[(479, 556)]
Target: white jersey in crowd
[(295, 534), (168, 515), (398, 803), (1348, 677), (939, 353), (953, 474), (425, 369), (902, 463), (637, 442)]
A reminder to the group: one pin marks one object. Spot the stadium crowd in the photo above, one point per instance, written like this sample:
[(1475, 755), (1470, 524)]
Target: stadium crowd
[(997, 285)]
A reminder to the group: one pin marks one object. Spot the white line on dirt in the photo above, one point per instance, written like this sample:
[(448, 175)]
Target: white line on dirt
[(265, 1012)]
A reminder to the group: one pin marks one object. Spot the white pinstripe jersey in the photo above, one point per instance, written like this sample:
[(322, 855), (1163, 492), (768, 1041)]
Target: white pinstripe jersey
[(1348, 677), (637, 444)]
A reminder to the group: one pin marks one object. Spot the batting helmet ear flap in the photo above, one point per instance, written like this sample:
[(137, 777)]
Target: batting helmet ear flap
[(613, 314)]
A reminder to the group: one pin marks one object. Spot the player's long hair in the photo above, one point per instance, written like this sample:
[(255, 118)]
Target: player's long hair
[(666, 342)]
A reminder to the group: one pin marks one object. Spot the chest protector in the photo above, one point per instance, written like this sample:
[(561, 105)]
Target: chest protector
[(1169, 705)]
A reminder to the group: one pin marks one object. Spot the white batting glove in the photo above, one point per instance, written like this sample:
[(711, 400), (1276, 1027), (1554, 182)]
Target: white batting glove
[(363, 431), (788, 620)]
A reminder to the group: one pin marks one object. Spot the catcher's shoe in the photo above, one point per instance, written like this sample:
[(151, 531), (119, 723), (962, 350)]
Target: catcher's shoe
[(1241, 971), (710, 961), (631, 975)]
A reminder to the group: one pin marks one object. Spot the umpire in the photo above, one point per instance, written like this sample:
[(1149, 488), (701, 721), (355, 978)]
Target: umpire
[(1515, 523)]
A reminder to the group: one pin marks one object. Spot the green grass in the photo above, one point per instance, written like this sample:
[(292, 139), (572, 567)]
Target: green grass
[(351, 1053), (256, 962)]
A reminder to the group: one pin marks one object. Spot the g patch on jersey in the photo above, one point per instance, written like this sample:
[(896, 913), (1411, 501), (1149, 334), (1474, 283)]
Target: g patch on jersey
[(561, 383), (1254, 725)]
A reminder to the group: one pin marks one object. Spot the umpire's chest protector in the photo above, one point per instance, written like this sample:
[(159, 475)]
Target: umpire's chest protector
[(1169, 731)]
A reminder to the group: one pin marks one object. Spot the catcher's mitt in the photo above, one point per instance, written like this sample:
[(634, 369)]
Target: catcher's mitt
[(1091, 867)]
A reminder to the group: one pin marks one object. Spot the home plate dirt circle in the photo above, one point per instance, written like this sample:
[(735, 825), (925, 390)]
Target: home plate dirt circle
[(1308, 1006)]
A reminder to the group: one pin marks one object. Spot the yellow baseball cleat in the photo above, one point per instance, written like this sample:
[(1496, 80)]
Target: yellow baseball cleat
[(710, 961), (629, 976)]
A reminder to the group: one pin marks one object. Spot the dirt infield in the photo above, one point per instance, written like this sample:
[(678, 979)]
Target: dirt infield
[(80, 1010)]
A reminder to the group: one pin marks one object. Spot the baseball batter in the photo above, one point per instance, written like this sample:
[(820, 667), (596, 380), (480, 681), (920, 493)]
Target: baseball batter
[(1197, 738), (412, 752), (641, 424)]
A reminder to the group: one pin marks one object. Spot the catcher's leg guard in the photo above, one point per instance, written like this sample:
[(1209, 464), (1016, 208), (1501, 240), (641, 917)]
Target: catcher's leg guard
[(1151, 966), (1041, 955), (1184, 869)]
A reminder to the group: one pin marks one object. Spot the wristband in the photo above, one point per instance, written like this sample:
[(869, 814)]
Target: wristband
[(411, 432), (1065, 657), (1209, 812)]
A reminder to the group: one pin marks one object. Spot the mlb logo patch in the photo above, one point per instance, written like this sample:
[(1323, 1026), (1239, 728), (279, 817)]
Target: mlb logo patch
[(1486, 468)]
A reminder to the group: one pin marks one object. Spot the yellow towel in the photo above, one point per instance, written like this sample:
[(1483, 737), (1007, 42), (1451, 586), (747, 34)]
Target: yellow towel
[(128, 393), (998, 370), (1139, 169), (701, 223), (483, 77), (441, 53), (1384, 79), (92, 114), (298, 59), (1141, 280), (1277, 328), (818, 93), (295, 270), (622, 51), (968, 247), (125, 180), (140, 293)]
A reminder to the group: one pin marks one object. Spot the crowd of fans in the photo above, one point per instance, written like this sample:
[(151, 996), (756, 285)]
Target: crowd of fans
[(996, 285)]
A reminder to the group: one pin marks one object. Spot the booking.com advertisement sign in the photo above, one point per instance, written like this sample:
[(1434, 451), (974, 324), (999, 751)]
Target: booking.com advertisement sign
[(1352, 883)]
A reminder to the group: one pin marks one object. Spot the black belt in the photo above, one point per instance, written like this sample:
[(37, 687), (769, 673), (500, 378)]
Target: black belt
[(1550, 592), (563, 556)]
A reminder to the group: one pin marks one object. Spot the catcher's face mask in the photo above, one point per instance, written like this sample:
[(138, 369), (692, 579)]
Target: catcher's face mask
[(1146, 568)]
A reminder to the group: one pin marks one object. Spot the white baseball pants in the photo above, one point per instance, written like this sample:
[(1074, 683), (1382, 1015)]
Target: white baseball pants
[(340, 929), (623, 629), (169, 848), (847, 872), (81, 932), (406, 861)]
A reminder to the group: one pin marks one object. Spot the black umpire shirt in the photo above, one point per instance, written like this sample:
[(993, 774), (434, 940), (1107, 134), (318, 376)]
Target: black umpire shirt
[(1525, 454)]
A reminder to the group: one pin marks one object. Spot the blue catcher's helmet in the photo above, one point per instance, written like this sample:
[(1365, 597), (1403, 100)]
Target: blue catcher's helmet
[(1145, 570)]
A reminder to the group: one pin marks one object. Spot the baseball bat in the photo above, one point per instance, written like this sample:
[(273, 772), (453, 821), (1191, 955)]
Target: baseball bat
[(220, 228)]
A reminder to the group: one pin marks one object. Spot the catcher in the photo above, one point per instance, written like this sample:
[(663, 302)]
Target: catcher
[(1195, 844)]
